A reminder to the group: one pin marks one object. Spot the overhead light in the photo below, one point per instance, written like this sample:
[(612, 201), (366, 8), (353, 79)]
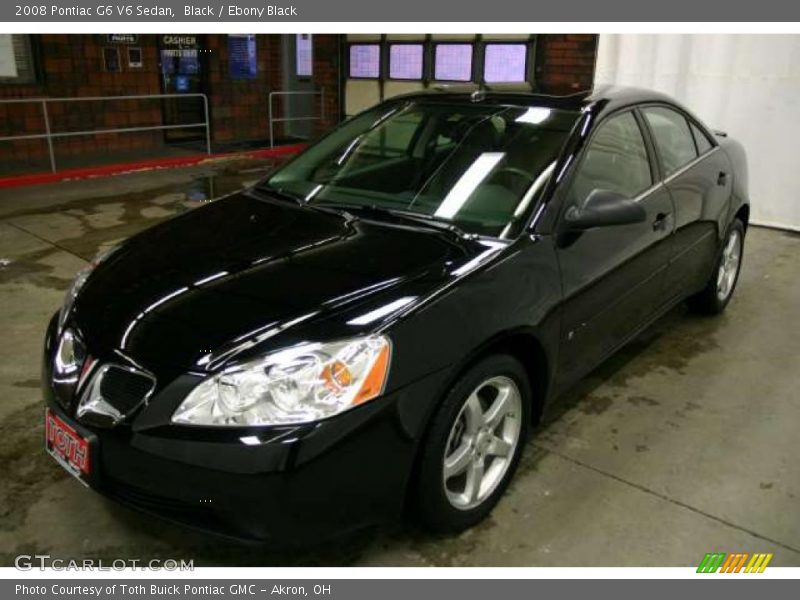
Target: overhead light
[(469, 181), (534, 115), (492, 248), (535, 187), (528, 197), (313, 192), (210, 278), (381, 312), (166, 298)]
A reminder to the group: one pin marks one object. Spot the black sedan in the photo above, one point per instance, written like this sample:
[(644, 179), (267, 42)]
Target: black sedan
[(376, 326)]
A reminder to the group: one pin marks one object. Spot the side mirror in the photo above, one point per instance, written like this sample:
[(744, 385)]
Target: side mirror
[(603, 208)]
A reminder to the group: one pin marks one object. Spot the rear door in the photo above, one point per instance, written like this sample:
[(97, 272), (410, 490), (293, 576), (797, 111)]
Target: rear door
[(612, 276), (699, 178)]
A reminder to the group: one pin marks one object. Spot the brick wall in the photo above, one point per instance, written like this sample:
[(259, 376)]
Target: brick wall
[(327, 58), (239, 107), (565, 62), (72, 66)]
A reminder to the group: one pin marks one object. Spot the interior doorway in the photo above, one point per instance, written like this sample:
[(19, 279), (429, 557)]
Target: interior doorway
[(182, 72)]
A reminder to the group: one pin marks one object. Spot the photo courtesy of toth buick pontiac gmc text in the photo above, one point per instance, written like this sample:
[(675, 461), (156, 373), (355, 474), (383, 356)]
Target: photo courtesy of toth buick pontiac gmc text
[(373, 330)]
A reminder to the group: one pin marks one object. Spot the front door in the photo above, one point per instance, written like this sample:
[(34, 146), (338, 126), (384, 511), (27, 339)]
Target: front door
[(612, 276)]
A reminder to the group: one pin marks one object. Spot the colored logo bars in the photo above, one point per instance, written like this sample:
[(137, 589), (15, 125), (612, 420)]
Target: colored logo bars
[(714, 562)]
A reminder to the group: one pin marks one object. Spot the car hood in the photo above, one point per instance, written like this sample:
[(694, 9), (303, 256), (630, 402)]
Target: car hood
[(199, 286)]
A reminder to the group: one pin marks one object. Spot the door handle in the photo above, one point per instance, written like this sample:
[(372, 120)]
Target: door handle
[(722, 178), (661, 221)]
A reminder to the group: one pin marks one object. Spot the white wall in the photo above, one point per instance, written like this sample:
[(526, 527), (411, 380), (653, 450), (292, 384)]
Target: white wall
[(747, 85)]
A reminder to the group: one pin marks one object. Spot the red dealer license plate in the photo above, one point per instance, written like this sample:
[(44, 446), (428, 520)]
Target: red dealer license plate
[(70, 449)]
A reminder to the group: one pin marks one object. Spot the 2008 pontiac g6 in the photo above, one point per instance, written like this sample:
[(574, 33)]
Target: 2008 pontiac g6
[(376, 326)]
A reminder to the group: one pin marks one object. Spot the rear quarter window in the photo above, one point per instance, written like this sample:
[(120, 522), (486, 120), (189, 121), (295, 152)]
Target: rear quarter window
[(672, 136), (701, 139)]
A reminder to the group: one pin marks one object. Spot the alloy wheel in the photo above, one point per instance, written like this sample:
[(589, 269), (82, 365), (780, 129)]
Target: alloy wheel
[(482, 442), (729, 265)]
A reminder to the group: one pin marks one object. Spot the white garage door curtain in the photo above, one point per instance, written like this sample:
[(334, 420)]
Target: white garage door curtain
[(747, 85)]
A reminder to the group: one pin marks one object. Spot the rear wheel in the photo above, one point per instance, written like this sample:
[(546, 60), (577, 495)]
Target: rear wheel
[(473, 445), (715, 296)]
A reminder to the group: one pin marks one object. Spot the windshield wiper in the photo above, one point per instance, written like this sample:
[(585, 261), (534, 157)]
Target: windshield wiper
[(300, 201), (280, 193), (428, 221), (347, 210)]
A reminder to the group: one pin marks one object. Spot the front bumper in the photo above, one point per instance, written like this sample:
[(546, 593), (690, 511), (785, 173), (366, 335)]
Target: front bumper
[(291, 486)]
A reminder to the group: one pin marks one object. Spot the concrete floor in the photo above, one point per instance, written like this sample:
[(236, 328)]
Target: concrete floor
[(684, 443)]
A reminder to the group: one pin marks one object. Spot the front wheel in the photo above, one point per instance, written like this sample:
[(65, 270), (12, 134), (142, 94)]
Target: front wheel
[(473, 445), (715, 296)]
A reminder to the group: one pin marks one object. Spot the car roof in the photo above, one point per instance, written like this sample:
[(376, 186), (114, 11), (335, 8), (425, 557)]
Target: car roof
[(604, 97)]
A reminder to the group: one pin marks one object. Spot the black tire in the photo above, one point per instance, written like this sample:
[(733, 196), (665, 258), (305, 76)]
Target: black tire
[(432, 507), (708, 301)]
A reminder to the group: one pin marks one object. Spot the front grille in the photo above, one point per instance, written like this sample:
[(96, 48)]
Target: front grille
[(125, 389), (113, 394)]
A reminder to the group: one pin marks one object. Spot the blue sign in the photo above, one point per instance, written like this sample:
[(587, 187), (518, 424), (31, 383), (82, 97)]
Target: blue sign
[(242, 62), (182, 83), (188, 63)]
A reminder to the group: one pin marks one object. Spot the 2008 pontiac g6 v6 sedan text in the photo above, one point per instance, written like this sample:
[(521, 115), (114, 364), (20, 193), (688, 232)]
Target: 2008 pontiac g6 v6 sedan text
[(377, 325)]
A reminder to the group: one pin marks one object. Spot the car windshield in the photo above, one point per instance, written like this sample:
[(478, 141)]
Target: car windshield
[(479, 167)]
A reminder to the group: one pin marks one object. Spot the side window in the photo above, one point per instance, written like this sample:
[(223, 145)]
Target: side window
[(701, 139), (615, 160), (673, 138)]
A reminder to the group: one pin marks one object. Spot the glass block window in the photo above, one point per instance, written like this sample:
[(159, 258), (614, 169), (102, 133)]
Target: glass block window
[(453, 62), (365, 60), (305, 58), (405, 61), (505, 62)]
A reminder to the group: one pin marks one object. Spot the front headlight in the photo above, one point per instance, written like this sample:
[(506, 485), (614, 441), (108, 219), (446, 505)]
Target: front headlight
[(77, 284), (72, 293), (302, 384)]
